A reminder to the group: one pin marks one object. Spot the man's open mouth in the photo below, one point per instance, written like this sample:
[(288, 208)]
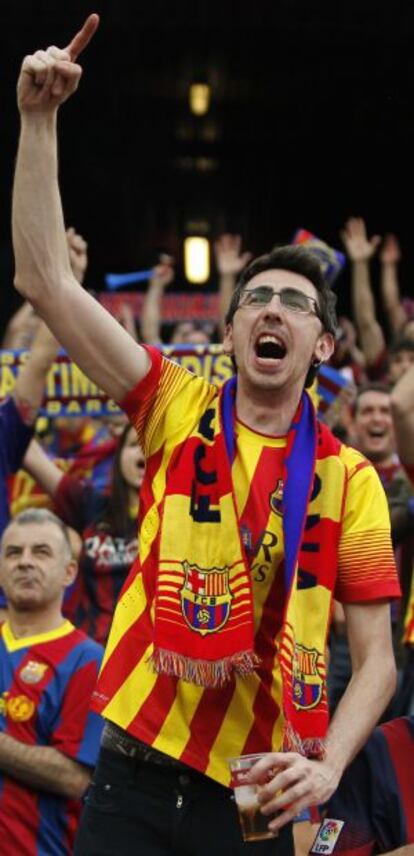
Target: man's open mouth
[(269, 347)]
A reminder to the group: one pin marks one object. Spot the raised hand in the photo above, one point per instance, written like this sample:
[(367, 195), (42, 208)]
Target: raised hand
[(48, 78), (78, 253), (163, 273), (21, 327), (390, 253), (357, 244), (229, 258)]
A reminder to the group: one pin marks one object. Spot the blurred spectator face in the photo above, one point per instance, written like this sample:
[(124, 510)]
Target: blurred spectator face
[(187, 333), (198, 337), (399, 363), (181, 332), (373, 425), (408, 331), (115, 424), (35, 565), (132, 461)]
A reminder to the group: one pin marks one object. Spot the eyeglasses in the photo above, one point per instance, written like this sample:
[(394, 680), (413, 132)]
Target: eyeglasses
[(291, 299)]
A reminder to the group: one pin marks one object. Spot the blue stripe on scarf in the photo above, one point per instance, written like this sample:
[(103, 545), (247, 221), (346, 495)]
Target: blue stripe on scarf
[(300, 465), (227, 416)]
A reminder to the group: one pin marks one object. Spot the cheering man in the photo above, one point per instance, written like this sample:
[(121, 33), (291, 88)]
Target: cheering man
[(251, 517)]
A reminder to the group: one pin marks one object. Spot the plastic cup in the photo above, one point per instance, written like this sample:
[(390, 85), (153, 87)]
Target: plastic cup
[(254, 824)]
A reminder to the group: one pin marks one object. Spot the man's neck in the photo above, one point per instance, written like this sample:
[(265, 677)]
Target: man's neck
[(267, 411), (31, 623)]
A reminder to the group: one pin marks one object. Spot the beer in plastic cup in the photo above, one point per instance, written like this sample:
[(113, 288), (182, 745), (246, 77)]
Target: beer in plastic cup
[(254, 824)]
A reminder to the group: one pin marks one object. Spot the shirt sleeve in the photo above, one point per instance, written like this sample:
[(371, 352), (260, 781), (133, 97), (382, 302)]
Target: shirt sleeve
[(168, 388), (15, 436), (408, 636), (78, 730), (366, 566), (77, 503)]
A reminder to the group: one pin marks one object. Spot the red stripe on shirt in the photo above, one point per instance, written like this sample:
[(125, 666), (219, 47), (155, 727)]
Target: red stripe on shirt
[(265, 709)]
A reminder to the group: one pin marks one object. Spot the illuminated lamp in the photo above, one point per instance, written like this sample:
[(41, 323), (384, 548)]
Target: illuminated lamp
[(196, 259), (199, 98)]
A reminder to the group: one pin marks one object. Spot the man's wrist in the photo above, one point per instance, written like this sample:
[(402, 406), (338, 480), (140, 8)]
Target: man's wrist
[(38, 121), (362, 262), (336, 758)]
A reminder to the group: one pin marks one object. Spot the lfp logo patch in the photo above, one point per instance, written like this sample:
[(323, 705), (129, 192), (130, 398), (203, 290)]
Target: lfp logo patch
[(327, 837)]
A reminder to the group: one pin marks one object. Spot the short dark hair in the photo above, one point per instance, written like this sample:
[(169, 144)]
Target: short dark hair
[(41, 516), (298, 260), (402, 344), (371, 386)]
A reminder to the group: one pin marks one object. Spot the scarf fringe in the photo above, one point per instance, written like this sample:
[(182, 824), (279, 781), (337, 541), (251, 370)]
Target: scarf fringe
[(310, 747), (203, 673)]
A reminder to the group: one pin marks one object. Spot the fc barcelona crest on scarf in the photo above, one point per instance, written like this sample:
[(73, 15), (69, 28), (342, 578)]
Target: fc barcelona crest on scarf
[(276, 497), (307, 683), (205, 598)]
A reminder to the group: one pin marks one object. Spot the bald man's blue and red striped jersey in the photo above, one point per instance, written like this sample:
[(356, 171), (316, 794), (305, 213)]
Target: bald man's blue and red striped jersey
[(46, 683)]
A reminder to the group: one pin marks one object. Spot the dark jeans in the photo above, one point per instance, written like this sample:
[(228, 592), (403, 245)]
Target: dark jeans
[(135, 808)]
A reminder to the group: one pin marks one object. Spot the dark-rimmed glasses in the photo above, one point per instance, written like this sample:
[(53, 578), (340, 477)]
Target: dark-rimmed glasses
[(291, 299)]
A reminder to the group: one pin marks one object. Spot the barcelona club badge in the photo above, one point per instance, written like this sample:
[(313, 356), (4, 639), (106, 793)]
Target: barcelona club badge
[(33, 672), (307, 682), (205, 598), (276, 497)]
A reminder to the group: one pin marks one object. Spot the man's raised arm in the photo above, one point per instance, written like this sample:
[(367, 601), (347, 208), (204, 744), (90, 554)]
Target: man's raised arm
[(360, 250), (95, 341)]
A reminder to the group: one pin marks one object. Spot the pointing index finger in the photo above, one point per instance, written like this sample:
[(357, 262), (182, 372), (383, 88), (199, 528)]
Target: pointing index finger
[(83, 37)]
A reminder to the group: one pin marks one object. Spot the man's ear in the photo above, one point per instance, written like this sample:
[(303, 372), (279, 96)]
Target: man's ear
[(71, 571), (324, 348), (228, 340)]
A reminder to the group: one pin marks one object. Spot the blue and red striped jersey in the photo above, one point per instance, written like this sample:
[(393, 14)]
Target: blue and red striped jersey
[(104, 562), (372, 810), (46, 683)]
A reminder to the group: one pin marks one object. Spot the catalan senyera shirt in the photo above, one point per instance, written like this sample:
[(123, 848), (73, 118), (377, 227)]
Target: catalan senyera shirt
[(204, 727)]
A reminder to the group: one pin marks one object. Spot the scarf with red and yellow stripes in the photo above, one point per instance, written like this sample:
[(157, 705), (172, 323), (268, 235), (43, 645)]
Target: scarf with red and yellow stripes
[(209, 637)]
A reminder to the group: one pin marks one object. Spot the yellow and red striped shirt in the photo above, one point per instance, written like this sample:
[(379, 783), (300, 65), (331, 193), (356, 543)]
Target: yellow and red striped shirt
[(203, 727)]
